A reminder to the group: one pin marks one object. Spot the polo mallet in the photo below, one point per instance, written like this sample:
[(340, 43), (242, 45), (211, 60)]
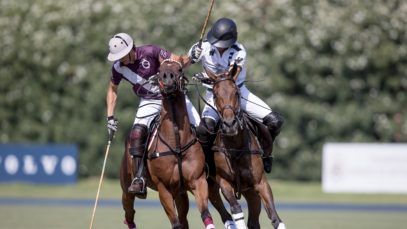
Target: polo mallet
[(205, 24), (111, 134)]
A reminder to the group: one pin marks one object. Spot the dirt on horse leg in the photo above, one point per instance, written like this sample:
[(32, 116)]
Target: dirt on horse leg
[(216, 200), (128, 207), (182, 204), (254, 206), (229, 193), (200, 191), (266, 194)]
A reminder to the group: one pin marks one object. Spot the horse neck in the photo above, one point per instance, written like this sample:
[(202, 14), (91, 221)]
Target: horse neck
[(174, 114)]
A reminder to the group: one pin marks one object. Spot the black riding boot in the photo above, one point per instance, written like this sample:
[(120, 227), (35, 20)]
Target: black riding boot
[(206, 135), (274, 121), (138, 138)]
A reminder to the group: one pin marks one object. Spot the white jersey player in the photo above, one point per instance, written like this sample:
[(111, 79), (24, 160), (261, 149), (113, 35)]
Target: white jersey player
[(219, 53)]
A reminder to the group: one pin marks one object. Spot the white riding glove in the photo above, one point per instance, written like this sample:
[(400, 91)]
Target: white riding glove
[(196, 53)]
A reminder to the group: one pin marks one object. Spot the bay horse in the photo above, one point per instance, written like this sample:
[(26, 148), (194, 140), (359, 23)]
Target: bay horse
[(238, 157), (175, 159)]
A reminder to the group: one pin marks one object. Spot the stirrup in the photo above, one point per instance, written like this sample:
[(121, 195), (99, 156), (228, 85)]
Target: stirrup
[(138, 186)]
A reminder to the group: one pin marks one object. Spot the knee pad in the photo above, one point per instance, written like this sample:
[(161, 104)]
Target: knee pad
[(138, 137), (139, 131), (274, 121)]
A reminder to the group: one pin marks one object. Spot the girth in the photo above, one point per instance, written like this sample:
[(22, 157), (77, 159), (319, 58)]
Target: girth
[(171, 151)]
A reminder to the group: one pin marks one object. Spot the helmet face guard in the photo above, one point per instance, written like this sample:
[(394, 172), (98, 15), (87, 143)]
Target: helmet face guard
[(223, 33), (119, 46)]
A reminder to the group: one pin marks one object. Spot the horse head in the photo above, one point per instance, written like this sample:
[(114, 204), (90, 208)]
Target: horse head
[(226, 97), (171, 77)]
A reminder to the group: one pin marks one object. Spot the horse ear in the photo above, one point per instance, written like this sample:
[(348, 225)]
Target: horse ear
[(211, 75)]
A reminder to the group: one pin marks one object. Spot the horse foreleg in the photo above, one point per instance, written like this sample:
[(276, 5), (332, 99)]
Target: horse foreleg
[(254, 205), (182, 204), (128, 207), (200, 189), (266, 194), (167, 201), (216, 200), (229, 193)]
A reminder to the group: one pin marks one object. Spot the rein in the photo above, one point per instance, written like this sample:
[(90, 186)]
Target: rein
[(234, 154), (179, 150), (238, 112)]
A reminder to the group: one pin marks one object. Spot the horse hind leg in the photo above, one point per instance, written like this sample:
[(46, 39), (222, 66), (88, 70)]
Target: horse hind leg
[(128, 207), (216, 200), (127, 198)]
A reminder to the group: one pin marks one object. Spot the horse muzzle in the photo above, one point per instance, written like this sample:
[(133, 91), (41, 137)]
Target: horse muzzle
[(230, 128), (167, 89)]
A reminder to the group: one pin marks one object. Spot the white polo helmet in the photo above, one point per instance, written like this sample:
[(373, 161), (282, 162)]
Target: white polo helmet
[(119, 46)]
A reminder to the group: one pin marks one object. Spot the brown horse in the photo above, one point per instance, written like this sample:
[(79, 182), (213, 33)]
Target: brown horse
[(238, 159), (175, 158)]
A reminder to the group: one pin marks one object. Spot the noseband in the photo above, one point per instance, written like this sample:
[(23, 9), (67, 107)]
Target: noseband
[(237, 112)]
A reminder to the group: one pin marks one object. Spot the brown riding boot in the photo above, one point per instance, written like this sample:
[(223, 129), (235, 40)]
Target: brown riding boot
[(138, 185), (138, 139)]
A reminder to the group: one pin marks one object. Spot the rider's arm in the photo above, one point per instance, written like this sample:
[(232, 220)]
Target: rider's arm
[(185, 60), (111, 97)]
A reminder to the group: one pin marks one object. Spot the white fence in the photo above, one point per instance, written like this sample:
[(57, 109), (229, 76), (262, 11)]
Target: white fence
[(364, 168)]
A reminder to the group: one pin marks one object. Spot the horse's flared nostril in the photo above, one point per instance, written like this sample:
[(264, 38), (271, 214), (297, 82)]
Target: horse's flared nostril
[(229, 123)]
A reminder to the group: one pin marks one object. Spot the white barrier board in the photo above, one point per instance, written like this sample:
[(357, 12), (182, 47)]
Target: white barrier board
[(364, 168)]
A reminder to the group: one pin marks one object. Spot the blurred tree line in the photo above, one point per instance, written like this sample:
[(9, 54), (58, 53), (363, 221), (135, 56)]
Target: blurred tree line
[(336, 70)]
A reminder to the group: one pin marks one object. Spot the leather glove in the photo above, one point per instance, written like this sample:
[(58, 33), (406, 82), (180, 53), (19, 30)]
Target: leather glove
[(196, 53), (112, 124), (199, 77), (153, 80), (111, 127)]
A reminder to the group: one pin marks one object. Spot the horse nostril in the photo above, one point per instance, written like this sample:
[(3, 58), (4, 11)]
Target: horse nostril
[(229, 123), (172, 76)]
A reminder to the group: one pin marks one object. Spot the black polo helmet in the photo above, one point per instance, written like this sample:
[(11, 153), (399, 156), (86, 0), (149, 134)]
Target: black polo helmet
[(223, 33)]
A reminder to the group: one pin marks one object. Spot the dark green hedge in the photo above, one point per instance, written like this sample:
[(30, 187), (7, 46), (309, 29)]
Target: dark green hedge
[(336, 69)]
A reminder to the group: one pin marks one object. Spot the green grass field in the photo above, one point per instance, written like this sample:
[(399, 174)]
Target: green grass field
[(37, 216)]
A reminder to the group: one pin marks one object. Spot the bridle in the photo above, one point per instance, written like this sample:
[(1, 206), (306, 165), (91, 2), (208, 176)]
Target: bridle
[(237, 112), (178, 84)]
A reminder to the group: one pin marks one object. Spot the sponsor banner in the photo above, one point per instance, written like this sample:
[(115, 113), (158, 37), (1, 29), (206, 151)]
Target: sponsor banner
[(364, 168), (49, 163)]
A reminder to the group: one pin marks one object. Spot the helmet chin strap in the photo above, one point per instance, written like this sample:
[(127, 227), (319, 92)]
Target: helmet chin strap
[(132, 58)]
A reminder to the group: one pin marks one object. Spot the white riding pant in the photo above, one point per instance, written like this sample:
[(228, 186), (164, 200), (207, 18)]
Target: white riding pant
[(249, 102), (148, 108)]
